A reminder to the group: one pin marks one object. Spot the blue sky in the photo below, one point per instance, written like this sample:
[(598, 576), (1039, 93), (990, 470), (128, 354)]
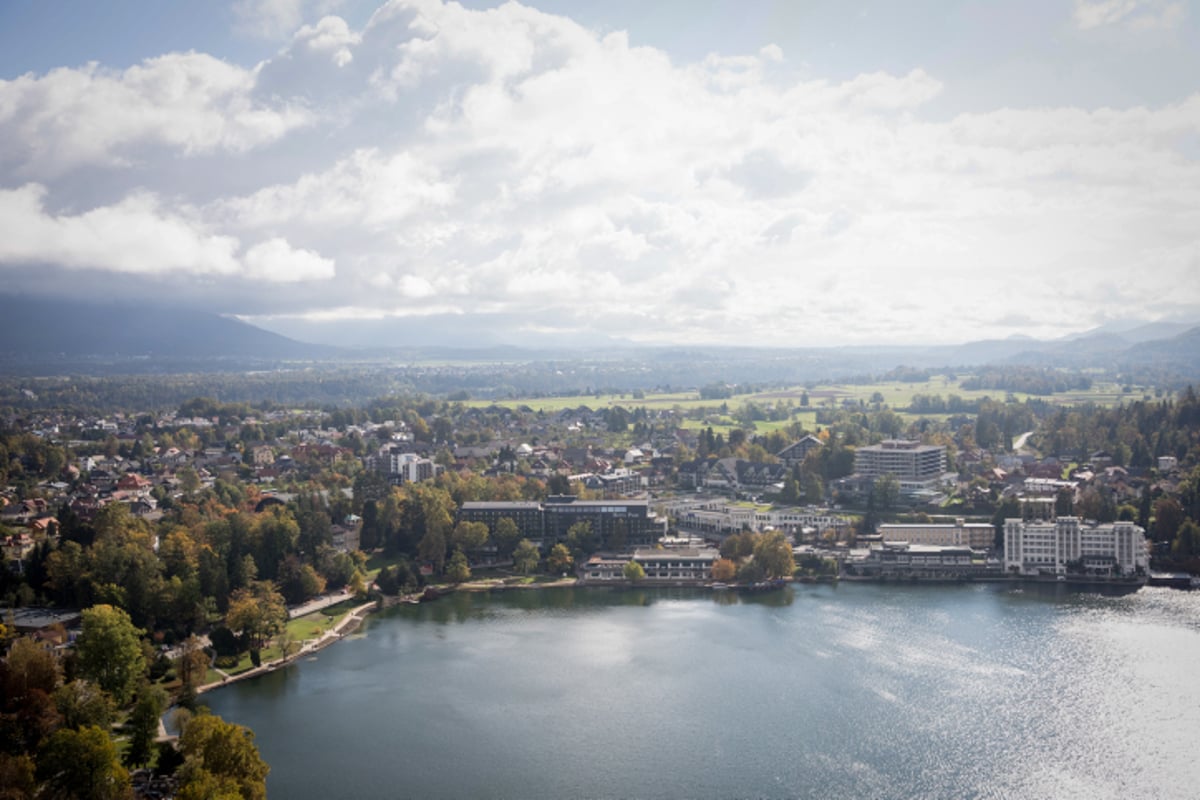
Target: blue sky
[(779, 172)]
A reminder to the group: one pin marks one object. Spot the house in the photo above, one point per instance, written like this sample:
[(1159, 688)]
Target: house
[(795, 453)]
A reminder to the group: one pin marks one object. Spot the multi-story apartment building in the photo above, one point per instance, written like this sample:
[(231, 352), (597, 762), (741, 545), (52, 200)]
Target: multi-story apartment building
[(404, 467), (630, 522), (916, 466), (1069, 544), (975, 535)]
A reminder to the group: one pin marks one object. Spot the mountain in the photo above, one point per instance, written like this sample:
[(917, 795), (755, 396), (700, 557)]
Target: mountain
[(41, 327), (1180, 352)]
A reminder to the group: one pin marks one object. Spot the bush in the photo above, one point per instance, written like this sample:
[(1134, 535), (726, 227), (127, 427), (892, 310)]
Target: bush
[(226, 661), (223, 641)]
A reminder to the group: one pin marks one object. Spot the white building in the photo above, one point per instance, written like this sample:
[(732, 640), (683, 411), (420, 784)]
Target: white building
[(407, 467), (975, 535), (719, 517), (916, 466), (1070, 544)]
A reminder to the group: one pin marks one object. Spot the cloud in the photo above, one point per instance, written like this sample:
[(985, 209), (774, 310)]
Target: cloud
[(190, 102), (331, 35), (507, 162), (276, 19), (1137, 14), (276, 261), (134, 236), (366, 189), (138, 236)]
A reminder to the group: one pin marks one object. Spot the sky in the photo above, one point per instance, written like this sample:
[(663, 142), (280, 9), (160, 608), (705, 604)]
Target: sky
[(801, 173)]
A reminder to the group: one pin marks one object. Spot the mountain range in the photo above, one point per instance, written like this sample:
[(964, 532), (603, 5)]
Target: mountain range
[(39, 329)]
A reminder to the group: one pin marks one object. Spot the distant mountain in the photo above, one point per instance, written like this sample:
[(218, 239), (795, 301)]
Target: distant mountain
[(41, 327), (1135, 331), (1180, 352)]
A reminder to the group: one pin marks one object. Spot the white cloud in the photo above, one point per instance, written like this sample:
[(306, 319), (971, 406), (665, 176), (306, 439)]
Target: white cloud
[(1138, 14), (134, 236), (191, 102), (139, 236), (331, 35), (512, 162), (277, 19), (365, 189), (278, 262)]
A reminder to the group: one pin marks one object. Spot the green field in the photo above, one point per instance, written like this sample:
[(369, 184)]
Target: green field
[(896, 395)]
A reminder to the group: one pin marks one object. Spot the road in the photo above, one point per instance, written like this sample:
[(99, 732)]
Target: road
[(1019, 443), (324, 601)]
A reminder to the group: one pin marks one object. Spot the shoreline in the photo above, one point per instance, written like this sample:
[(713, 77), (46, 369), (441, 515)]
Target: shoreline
[(357, 615), (351, 621)]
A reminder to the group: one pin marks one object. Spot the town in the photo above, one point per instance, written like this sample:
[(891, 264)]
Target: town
[(216, 540)]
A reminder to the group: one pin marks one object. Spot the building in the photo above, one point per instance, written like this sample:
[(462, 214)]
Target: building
[(611, 520), (976, 535), (527, 515), (915, 466), (630, 523), (677, 567), (795, 453), (905, 560), (406, 467), (719, 518), (1070, 545)]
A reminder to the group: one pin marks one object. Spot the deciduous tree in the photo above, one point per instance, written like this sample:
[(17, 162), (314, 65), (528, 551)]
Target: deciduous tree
[(220, 757), (257, 613), (559, 560), (82, 765), (110, 651), (457, 570), (774, 554), (526, 557)]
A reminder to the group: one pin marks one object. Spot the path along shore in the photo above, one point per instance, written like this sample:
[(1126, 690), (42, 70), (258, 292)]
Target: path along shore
[(345, 624)]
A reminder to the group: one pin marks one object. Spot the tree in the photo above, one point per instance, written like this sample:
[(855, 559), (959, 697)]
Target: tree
[(633, 571), (257, 613), (506, 536), (1187, 541), (1168, 516), (526, 557), (110, 651), (774, 553), (724, 570), (189, 480), (469, 536), (143, 724), (17, 781), (82, 765), (559, 561), (298, 581), (432, 548), (29, 667), (191, 667), (457, 570), (220, 759), (82, 703), (887, 492), (581, 540)]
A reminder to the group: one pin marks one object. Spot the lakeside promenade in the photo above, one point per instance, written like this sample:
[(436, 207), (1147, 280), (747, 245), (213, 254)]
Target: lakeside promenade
[(308, 646)]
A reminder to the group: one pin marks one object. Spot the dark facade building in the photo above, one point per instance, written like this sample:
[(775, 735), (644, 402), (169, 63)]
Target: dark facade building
[(547, 523)]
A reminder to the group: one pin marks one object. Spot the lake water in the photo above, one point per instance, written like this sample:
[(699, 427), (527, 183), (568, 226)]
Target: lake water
[(854, 691)]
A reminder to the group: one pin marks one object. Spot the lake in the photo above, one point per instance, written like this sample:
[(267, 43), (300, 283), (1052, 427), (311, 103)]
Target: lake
[(854, 691)]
